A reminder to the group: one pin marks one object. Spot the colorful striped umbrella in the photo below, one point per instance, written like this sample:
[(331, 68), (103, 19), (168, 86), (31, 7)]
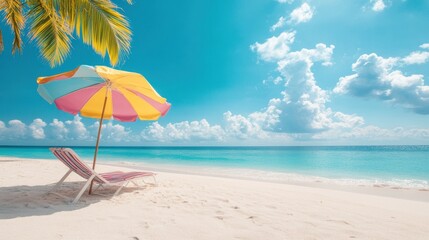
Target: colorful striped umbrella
[(83, 90), (104, 93)]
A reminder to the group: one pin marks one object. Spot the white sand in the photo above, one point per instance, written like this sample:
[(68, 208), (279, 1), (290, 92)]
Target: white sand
[(198, 207)]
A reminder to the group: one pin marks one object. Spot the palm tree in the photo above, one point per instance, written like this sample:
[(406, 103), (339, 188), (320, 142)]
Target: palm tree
[(54, 22)]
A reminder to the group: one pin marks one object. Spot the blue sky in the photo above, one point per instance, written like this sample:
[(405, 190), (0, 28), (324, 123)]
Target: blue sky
[(266, 72)]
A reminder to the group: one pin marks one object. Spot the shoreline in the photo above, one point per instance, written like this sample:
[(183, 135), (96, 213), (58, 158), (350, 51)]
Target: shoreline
[(363, 186), (368, 187), (396, 167)]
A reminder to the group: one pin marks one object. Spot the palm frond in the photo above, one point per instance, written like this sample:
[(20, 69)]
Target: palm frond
[(49, 31), (68, 11), (15, 19), (103, 27)]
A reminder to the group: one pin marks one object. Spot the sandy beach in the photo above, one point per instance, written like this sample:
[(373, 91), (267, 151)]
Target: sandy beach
[(185, 206)]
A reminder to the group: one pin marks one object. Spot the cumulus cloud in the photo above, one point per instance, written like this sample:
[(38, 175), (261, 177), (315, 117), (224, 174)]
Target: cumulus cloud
[(321, 53), (36, 128), (14, 130), (70, 131), (194, 131), (236, 129), (366, 81), (425, 46), (377, 5), (418, 57), (17, 129), (302, 106), (238, 126), (274, 48), (280, 23), (58, 129), (376, 77), (76, 129), (112, 132), (302, 14)]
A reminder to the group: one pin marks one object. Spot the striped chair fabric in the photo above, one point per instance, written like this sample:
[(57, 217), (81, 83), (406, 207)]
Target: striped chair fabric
[(73, 162)]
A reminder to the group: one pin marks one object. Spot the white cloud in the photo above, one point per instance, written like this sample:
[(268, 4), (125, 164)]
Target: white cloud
[(76, 129), (285, 1), (345, 121), (372, 133), (236, 129), (58, 129), (71, 131), (277, 80), (113, 132), (280, 23), (376, 77), (416, 58), (195, 131), (36, 128), (378, 5), (424, 46), (15, 130), (252, 129), (321, 53), (302, 108), (302, 14), (274, 48), (368, 68), (238, 126)]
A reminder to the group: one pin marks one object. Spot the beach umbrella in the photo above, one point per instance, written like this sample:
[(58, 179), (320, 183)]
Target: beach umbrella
[(103, 93)]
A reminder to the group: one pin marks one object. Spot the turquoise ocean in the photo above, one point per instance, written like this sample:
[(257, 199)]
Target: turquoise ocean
[(403, 166)]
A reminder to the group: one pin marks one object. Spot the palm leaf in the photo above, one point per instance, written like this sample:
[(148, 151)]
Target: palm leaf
[(103, 27), (15, 19), (49, 31), (68, 10)]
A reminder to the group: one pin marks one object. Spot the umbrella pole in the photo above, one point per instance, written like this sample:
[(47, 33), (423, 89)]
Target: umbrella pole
[(98, 140)]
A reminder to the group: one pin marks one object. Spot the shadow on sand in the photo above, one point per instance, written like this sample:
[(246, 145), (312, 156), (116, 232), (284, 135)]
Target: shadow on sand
[(23, 201)]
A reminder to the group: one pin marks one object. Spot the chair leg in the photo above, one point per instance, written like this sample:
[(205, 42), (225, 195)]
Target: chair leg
[(120, 188), (83, 189), (99, 185), (61, 181), (135, 184)]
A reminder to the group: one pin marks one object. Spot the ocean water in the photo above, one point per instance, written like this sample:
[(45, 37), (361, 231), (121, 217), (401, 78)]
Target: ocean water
[(401, 166)]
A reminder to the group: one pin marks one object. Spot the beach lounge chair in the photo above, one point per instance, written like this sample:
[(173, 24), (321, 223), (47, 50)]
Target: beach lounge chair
[(73, 162)]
